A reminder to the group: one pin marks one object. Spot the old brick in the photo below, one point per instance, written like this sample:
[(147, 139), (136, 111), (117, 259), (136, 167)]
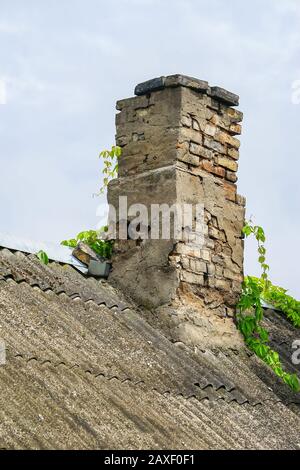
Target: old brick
[(233, 153), (200, 267), (228, 163), (231, 176), (195, 148), (225, 138), (210, 130), (232, 276), (213, 145), (205, 255), (215, 170), (192, 278), (186, 121), (205, 153), (211, 269), (222, 284), (219, 171), (240, 200), (230, 191), (235, 129), (191, 135), (234, 115), (195, 125), (187, 250), (185, 262), (215, 119), (189, 158)]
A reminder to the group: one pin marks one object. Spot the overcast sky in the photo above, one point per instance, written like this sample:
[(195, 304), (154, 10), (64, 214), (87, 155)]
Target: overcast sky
[(64, 63)]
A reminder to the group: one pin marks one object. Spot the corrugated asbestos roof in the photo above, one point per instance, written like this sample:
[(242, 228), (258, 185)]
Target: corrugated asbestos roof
[(85, 370)]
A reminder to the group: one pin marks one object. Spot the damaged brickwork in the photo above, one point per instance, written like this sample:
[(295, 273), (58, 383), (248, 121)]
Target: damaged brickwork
[(179, 145)]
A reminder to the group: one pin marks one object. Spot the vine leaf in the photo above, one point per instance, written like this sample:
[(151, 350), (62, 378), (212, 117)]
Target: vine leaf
[(43, 257), (251, 312), (111, 165)]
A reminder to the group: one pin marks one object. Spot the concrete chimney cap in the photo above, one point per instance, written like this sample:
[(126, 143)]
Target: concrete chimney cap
[(201, 86)]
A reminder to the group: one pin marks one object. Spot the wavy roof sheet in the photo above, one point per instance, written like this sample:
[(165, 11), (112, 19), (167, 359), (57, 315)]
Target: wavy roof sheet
[(86, 370)]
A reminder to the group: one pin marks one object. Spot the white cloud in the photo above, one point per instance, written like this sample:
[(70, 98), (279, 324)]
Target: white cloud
[(3, 94)]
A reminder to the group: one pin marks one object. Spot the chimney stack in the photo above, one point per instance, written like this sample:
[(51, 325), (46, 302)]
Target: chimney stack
[(179, 147)]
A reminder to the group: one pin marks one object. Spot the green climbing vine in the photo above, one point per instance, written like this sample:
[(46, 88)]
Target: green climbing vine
[(251, 312), (111, 165), (278, 298), (94, 238)]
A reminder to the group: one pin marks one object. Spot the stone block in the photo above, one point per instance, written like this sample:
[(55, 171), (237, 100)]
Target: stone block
[(227, 163), (195, 148), (230, 192), (195, 125), (223, 284), (231, 176), (235, 129), (210, 130), (192, 278), (213, 145), (241, 200), (234, 115), (211, 168), (233, 153), (205, 255), (186, 121), (225, 138)]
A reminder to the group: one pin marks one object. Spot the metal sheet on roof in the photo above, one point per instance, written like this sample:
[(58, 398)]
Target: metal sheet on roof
[(55, 252)]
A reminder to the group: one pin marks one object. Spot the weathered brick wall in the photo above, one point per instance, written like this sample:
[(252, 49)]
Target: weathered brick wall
[(179, 145), (209, 151)]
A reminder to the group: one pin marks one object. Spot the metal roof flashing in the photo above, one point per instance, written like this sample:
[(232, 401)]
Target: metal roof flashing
[(55, 252)]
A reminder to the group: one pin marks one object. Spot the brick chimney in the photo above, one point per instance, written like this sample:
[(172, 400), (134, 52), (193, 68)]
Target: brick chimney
[(179, 147)]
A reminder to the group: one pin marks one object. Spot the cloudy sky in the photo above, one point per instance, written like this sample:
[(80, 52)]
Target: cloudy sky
[(64, 63)]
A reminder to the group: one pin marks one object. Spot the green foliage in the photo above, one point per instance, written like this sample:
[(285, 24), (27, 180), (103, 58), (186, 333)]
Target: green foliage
[(278, 297), (93, 239), (259, 234), (43, 257), (111, 165), (251, 312)]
